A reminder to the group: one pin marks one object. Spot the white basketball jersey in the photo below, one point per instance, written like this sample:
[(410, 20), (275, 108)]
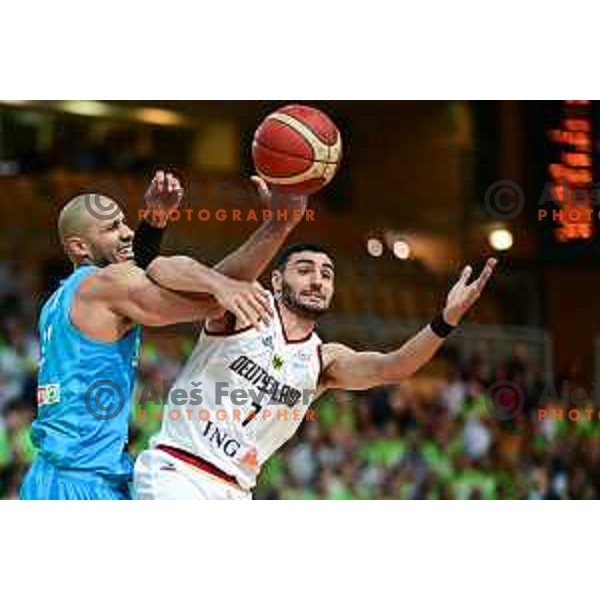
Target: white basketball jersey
[(241, 396)]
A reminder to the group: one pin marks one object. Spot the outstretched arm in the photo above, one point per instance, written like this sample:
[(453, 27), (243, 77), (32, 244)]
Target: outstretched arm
[(345, 368), (120, 295), (140, 300), (247, 301), (184, 274), (252, 257), (245, 264)]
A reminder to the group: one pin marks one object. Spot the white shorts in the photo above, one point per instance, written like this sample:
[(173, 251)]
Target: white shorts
[(160, 476)]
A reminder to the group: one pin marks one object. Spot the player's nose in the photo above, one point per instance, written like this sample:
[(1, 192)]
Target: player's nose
[(126, 233)]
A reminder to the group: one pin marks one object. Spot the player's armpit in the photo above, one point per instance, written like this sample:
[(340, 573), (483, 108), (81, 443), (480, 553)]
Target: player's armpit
[(127, 291), (348, 369)]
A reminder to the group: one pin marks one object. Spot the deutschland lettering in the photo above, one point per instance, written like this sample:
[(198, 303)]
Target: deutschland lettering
[(267, 385)]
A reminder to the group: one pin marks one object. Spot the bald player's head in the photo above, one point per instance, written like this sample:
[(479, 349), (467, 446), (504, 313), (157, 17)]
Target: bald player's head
[(92, 230), (74, 219)]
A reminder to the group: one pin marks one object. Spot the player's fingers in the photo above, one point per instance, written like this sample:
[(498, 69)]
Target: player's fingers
[(259, 182), (234, 308), (483, 279), (239, 309), (249, 313), (263, 311), (177, 187), (263, 298), (261, 186), (262, 295), (486, 273), (487, 269), (258, 312), (160, 180), (259, 289), (170, 183), (150, 189), (466, 273)]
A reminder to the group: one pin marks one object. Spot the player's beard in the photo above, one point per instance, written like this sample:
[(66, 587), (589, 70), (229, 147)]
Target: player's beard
[(293, 302)]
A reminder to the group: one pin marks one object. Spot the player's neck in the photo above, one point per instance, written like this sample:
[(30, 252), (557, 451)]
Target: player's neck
[(294, 326), (85, 262)]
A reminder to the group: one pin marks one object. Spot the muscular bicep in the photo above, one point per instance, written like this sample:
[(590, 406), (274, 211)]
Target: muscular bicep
[(345, 368), (149, 304), (128, 292)]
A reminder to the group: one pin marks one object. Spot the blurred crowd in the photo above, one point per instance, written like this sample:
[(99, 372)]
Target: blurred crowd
[(427, 438), (437, 440), (77, 146)]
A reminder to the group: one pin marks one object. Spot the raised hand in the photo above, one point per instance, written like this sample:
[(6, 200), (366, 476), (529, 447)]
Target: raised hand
[(164, 194), (462, 296), (247, 301), (277, 198)]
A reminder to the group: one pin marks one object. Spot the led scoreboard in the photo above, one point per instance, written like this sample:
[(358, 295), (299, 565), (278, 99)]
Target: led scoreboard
[(569, 172)]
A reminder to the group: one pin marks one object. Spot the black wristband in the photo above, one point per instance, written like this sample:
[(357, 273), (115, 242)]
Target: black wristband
[(440, 327), (146, 243)]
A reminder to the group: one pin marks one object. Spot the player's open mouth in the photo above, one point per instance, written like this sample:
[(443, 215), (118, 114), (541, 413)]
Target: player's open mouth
[(313, 296)]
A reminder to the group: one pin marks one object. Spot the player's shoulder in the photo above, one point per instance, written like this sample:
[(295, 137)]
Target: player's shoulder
[(330, 351), (109, 279), (334, 347), (122, 269), (118, 272)]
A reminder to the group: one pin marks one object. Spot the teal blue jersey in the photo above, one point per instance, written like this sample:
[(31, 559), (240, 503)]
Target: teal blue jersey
[(85, 390)]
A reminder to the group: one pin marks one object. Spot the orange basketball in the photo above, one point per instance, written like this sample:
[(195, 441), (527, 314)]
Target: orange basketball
[(297, 148)]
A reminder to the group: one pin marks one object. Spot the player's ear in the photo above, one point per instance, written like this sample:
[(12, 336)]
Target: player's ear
[(276, 281), (76, 249)]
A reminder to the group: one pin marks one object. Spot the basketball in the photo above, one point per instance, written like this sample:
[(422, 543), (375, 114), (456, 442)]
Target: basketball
[(297, 148)]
